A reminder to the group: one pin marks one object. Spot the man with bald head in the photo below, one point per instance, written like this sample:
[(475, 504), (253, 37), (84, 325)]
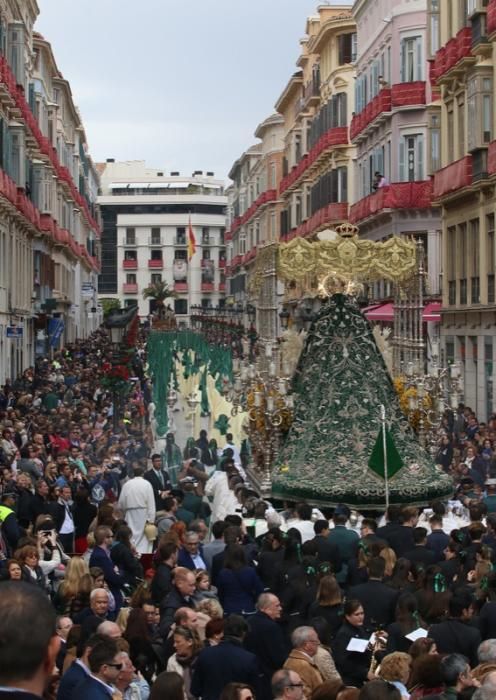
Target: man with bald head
[(266, 639)]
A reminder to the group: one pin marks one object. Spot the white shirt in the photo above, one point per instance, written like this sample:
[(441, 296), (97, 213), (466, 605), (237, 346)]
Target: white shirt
[(68, 524)]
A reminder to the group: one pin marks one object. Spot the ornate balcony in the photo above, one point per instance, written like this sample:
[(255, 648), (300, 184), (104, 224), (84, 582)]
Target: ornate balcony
[(337, 136), (129, 288), (399, 195), (222, 286), (332, 214), (491, 17), (453, 177), (180, 286), (222, 263), (130, 264), (408, 94), (379, 105), (207, 286), (264, 198), (458, 48), (491, 158), (156, 264)]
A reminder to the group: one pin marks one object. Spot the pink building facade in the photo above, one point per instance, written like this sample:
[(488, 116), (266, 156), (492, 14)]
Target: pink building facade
[(396, 130)]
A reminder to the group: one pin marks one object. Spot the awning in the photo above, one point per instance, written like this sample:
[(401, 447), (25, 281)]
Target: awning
[(385, 312), (381, 312), (432, 312)]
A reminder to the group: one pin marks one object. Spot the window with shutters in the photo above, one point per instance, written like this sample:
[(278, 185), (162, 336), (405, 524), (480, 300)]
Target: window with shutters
[(347, 47), (130, 236), (490, 262), (462, 256), (473, 260), (130, 278), (411, 158), (435, 143), (480, 111), (16, 51), (433, 27), (461, 125), (412, 67)]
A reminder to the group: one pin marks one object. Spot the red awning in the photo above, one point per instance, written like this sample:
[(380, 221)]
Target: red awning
[(385, 312), (432, 312)]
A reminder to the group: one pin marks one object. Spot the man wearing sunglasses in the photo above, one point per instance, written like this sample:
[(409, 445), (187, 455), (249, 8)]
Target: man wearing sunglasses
[(105, 665)]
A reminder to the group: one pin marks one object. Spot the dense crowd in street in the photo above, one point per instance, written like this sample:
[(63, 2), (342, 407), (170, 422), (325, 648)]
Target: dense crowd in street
[(129, 573)]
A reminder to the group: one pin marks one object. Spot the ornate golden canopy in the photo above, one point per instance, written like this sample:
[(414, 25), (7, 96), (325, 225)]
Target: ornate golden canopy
[(347, 258)]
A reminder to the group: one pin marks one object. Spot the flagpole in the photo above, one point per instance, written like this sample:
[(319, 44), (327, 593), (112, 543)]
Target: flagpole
[(384, 449)]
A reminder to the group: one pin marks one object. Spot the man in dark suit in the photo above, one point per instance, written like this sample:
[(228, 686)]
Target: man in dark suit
[(326, 551), (420, 553), (438, 540), (105, 666), (225, 663), (100, 557), (392, 524), (456, 635), (378, 600), (78, 670), (400, 535), (266, 639), (190, 555), (160, 481)]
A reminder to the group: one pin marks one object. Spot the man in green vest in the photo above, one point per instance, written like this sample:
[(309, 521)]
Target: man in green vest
[(9, 527)]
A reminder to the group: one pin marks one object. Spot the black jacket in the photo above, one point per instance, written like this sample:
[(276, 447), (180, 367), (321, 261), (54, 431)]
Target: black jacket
[(379, 603), (225, 663), (161, 583), (268, 642), (152, 477), (327, 551), (399, 537), (129, 567), (172, 602), (487, 620), (420, 555), (456, 637), (352, 666)]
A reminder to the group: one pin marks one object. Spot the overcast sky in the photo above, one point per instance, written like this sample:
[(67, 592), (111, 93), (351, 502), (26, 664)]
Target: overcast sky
[(182, 84)]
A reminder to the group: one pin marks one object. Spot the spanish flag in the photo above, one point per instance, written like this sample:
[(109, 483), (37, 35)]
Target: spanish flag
[(191, 241)]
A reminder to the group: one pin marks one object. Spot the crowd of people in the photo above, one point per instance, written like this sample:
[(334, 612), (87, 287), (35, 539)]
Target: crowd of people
[(134, 574)]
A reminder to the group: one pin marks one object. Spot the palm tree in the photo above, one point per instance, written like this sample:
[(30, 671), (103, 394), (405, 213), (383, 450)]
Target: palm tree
[(160, 291)]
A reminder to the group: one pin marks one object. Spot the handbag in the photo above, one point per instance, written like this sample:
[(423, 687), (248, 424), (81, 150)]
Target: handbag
[(150, 531)]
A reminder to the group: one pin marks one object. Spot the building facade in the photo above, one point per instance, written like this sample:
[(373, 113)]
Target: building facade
[(396, 130), (462, 68), (316, 106), (254, 214), (297, 180), (49, 225), (146, 216)]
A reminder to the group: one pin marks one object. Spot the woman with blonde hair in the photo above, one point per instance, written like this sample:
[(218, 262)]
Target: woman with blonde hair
[(74, 591), (396, 668), (390, 558)]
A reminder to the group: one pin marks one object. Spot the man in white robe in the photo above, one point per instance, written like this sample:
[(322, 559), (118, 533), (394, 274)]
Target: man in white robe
[(137, 503)]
